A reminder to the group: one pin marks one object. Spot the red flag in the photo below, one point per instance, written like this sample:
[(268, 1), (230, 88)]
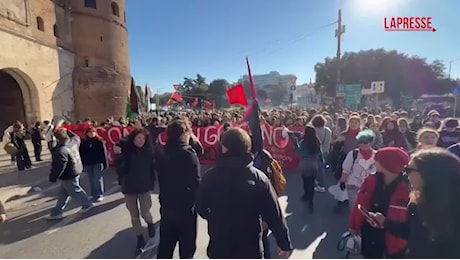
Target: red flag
[(195, 102), (236, 96), (176, 97), (170, 102)]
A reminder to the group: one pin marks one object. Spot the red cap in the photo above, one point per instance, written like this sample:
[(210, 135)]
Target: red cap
[(392, 159)]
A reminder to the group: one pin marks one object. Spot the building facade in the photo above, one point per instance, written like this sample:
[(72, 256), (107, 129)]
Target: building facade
[(272, 78), (65, 58)]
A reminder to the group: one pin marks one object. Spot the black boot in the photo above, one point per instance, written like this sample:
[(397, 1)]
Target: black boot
[(151, 229), (140, 245), (338, 207), (310, 207)]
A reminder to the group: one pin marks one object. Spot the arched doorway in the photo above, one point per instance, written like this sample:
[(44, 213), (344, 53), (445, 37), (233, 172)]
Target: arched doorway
[(11, 101)]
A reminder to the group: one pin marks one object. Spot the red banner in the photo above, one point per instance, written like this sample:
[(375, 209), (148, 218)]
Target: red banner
[(276, 141)]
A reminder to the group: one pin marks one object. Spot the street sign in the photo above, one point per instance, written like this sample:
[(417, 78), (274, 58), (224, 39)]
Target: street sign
[(378, 87), (293, 88), (456, 90), (293, 81)]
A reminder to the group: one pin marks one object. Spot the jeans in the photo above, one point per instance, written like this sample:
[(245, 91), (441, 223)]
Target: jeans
[(96, 179), (37, 150), (308, 187), (321, 168), (144, 205), (70, 189), (352, 195)]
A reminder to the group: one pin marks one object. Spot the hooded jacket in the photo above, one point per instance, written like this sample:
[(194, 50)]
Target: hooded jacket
[(178, 170), (234, 197), (66, 162)]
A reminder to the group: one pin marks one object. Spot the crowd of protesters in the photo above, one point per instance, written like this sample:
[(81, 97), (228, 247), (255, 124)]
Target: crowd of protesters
[(387, 164)]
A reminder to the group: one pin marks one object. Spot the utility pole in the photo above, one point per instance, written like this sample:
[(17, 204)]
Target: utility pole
[(338, 33)]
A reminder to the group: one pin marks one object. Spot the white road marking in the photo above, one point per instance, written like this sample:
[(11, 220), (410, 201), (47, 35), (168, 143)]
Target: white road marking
[(308, 252), (71, 218)]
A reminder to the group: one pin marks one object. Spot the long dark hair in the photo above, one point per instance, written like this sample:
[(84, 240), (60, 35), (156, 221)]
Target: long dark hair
[(439, 198), (148, 146), (309, 140)]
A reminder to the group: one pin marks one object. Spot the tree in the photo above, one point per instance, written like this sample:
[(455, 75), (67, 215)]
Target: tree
[(162, 99), (402, 74), (217, 89), (195, 86), (277, 93), (262, 95)]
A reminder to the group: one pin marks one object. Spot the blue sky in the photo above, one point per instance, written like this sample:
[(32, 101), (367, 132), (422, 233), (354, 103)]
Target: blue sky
[(173, 39)]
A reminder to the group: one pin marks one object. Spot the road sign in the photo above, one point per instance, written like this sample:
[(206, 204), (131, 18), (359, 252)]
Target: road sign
[(378, 87), (293, 81), (456, 90), (293, 88)]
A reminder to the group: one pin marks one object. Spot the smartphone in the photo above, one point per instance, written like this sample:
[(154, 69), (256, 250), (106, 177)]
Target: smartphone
[(367, 215)]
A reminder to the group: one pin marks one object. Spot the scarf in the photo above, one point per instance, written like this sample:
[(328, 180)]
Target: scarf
[(366, 154), (353, 133)]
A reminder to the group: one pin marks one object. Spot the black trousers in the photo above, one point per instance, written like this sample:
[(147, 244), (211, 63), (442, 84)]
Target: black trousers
[(266, 244), (308, 187), (23, 159), (37, 150), (177, 226)]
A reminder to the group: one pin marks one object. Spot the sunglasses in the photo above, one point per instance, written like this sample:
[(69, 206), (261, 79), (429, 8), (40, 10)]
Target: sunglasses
[(364, 142), (409, 170)]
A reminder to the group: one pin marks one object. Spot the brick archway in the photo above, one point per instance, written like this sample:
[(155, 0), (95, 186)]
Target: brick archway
[(19, 99)]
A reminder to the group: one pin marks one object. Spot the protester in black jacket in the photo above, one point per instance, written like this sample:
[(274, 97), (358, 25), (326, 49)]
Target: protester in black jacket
[(234, 197), (66, 166), (136, 169), (36, 138), (178, 170), (93, 156)]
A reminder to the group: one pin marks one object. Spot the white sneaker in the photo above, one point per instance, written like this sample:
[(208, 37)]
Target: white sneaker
[(320, 189), (56, 217), (13, 163), (86, 209)]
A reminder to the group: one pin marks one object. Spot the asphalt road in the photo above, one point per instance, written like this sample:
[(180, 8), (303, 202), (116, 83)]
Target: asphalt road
[(105, 232)]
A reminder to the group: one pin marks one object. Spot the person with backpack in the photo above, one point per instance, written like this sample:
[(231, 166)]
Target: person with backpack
[(268, 165), (386, 191), (358, 164)]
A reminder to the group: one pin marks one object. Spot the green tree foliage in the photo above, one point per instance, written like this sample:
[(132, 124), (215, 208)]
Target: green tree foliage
[(162, 99), (217, 89), (277, 93), (402, 74)]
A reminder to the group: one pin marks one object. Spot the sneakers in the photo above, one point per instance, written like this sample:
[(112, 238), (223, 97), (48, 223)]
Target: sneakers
[(86, 209), (140, 245), (99, 199), (320, 189), (55, 217)]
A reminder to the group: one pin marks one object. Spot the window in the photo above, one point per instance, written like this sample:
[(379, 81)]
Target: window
[(40, 24), (102, 38), (86, 62), (55, 30), (115, 9), (90, 4)]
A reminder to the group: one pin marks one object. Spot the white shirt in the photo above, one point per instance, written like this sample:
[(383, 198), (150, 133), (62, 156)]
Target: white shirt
[(358, 171)]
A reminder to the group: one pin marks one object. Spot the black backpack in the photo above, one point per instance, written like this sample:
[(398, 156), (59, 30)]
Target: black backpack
[(339, 168)]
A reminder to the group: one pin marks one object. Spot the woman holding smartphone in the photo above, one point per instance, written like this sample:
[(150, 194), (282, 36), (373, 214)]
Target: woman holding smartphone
[(432, 227)]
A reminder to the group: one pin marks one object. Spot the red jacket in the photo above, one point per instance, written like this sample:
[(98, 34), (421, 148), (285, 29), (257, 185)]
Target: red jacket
[(397, 211)]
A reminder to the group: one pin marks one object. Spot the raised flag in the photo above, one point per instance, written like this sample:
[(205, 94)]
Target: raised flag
[(133, 109), (176, 97), (252, 115), (236, 96)]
